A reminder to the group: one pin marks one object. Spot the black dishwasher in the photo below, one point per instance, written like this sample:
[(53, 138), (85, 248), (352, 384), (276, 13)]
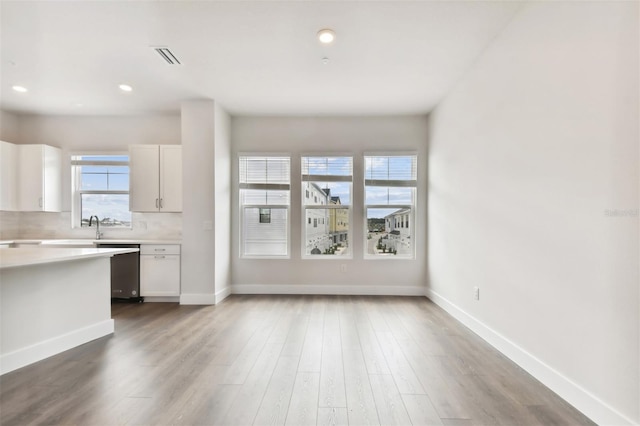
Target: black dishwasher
[(125, 274)]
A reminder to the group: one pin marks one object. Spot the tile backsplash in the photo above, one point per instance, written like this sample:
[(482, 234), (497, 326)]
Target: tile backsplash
[(9, 225), (41, 225)]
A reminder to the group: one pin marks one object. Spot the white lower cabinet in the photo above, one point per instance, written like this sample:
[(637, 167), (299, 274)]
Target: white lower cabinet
[(159, 270)]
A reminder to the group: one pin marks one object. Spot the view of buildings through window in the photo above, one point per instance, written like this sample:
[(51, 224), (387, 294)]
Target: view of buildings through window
[(326, 194), (326, 203), (390, 197), (101, 188)]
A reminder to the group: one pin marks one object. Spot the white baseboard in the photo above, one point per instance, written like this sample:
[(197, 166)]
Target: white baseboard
[(34, 353), (360, 290), (223, 294), (205, 298), (584, 401), (197, 299)]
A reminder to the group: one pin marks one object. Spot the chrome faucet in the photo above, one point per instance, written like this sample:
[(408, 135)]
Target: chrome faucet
[(98, 233)]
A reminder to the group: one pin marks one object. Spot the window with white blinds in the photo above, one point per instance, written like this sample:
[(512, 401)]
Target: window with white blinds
[(326, 206), (390, 199), (264, 184)]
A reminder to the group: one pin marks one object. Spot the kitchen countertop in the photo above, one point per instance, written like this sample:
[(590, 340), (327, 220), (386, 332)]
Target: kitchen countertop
[(27, 256), (85, 241)]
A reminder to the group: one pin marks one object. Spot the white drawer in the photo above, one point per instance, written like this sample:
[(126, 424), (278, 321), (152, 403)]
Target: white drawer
[(159, 249)]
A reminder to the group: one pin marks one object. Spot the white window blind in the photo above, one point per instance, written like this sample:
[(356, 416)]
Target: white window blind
[(390, 199), (264, 172), (264, 185), (332, 168), (326, 205), (391, 170)]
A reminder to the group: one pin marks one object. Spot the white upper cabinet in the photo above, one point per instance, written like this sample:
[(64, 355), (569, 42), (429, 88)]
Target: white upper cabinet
[(144, 172), (39, 178), (8, 176), (155, 178), (170, 178)]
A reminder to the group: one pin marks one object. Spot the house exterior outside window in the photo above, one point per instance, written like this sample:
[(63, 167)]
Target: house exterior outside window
[(390, 200), (265, 215), (327, 209)]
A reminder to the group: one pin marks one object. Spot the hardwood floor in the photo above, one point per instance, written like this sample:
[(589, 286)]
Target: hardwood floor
[(276, 360)]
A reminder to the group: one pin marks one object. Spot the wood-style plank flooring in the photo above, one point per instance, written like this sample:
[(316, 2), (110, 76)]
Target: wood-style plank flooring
[(282, 360)]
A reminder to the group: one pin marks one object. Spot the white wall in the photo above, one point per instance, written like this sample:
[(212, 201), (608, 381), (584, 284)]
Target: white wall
[(93, 134), (349, 135), (198, 202), (104, 133), (90, 134), (222, 203), (9, 132), (529, 155), (9, 128)]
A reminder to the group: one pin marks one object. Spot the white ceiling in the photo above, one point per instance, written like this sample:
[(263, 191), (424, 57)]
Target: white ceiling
[(253, 57)]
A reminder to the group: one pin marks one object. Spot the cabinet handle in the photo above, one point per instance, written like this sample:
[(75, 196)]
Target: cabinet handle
[(40, 202), (159, 257), (157, 205), (160, 249), (160, 202)]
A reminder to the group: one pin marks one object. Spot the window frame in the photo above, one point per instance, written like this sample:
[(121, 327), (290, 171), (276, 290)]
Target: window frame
[(76, 179), (303, 208), (263, 186), (401, 183)]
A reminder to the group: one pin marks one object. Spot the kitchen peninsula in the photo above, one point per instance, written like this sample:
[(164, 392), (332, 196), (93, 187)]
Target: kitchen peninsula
[(52, 301)]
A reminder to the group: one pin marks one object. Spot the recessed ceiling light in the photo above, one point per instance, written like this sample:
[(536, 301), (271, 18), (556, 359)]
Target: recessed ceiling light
[(326, 36), (20, 89), (125, 88)]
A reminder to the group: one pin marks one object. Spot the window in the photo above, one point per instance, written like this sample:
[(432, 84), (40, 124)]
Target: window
[(265, 215), (264, 206), (100, 188), (328, 180), (390, 199)]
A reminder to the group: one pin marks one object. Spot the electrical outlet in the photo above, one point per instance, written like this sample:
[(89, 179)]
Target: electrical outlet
[(476, 293), (343, 267)]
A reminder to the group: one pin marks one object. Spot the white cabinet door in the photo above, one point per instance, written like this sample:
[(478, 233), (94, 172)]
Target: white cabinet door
[(155, 178), (52, 175), (144, 171), (8, 176), (39, 178), (159, 275), (30, 178), (170, 178)]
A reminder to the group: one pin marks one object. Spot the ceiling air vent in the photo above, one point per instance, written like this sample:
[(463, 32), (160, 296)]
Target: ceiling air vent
[(167, 55)]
